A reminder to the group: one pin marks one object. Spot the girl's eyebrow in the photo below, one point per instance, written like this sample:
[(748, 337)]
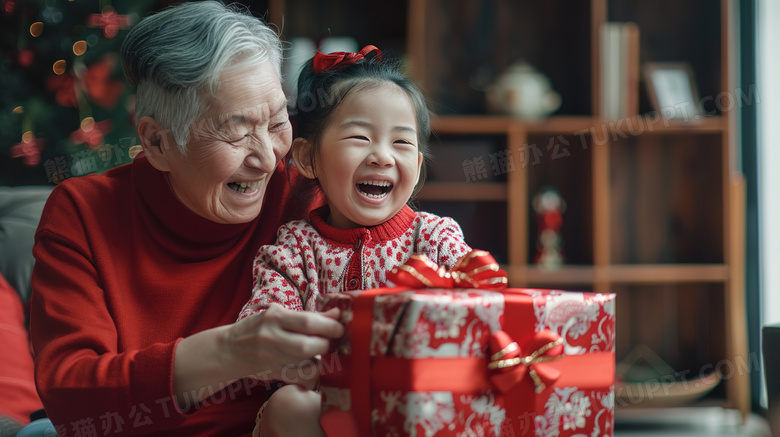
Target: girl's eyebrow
[(354, 122), (363, 123)]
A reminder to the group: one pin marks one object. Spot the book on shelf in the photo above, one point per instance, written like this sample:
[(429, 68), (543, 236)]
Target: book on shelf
[(619, 69)]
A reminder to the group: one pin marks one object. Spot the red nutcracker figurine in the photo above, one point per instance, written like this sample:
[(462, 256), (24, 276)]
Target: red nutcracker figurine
[(549, 207)]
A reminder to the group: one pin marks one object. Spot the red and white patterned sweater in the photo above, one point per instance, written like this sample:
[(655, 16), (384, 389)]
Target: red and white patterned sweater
[(312, 258)]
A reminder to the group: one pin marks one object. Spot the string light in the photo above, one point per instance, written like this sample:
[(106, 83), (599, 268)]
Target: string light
[(134, 151), (36, 29), (79, 47), (87, 124), (59, 67)]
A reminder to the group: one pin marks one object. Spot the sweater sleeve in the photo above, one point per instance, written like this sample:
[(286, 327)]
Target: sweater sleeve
[(444, 236), (81, 376), (280, 273)]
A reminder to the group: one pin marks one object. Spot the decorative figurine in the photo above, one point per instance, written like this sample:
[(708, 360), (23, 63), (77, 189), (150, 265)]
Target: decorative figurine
[(524, 92), (549, 207)]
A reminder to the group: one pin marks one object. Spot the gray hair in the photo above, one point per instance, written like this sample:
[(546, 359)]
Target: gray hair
[(176, 55)]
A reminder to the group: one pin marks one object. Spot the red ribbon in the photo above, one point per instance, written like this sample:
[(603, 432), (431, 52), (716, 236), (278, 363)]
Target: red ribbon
[(509, 365), (476, 269), (332, 61)]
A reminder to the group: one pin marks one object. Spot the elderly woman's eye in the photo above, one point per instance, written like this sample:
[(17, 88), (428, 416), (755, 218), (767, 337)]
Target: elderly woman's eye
[(280, 126), (240, 139)]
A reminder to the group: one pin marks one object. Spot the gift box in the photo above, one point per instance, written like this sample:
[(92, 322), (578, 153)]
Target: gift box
[(470, 362)]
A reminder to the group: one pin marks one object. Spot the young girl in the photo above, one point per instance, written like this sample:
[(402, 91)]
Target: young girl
[(362, 132)]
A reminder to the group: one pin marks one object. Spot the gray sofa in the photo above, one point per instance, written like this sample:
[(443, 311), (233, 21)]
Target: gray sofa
[(20, 211)]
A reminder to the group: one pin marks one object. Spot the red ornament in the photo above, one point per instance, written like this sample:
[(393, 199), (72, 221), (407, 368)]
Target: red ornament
[(8, 6), (549, 207), (63, 88), (29, 149), (25, 57), (91, 132), (109, 21), (101, 88)]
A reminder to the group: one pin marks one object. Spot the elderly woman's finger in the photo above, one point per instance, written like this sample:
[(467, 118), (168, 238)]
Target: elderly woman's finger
[(333, 313), (309, 323), (302, 346)]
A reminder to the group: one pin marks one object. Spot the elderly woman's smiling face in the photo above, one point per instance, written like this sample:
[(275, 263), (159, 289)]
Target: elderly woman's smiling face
[(233, 149)]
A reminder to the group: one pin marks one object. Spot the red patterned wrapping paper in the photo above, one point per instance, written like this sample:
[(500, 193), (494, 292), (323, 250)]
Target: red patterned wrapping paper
[(415, 363)]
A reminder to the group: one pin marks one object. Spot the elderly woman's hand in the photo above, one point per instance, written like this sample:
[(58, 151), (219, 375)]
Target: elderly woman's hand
[(282, 345)]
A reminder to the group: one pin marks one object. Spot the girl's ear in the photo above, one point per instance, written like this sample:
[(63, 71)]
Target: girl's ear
[(302, 156), (419, 167), (155, 142)]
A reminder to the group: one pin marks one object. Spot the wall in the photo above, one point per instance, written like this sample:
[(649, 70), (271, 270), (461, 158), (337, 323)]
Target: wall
[(768, 70), (769, 156)]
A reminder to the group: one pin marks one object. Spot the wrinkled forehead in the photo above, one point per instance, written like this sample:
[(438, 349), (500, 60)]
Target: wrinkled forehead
[(250, 93), (257, 114)]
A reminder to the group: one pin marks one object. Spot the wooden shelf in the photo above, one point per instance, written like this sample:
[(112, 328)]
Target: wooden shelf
[(667, 273), (619, 274), (471, 124), (652, 124), (632, 126), (569, 275), (475, 191)]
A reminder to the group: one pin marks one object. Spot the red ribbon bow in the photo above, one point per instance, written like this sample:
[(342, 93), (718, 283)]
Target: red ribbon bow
[(476, 269), (509, 364), (331, 61)]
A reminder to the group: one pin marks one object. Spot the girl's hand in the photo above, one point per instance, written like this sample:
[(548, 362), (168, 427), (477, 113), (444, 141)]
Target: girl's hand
[(281, 345)]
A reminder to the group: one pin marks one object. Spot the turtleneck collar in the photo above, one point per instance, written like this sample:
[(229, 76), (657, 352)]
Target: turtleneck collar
[(389, 230), (174, 218)]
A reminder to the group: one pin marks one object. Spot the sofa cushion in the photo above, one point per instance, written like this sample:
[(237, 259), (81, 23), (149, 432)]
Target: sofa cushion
[(18, 397), (20, 211)]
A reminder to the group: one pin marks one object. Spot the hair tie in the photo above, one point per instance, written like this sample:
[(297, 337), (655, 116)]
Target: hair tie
[(335, 60)]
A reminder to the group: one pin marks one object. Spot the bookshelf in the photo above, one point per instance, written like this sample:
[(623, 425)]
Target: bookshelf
[(655, 206)]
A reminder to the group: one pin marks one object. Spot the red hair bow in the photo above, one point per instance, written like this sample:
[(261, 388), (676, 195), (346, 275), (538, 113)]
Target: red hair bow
[(331, 61)]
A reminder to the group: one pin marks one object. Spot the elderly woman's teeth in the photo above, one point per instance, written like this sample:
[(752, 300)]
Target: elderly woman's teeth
[(243, 187)]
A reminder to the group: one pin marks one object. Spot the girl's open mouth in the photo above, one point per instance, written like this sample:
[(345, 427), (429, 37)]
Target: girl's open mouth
[(374, 189)]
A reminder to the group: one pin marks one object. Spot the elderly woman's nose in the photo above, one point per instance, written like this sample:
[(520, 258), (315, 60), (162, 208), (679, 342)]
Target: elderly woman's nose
[(262, 153)]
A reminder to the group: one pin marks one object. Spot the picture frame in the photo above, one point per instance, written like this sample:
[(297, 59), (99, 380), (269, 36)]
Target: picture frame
[(671, 87)]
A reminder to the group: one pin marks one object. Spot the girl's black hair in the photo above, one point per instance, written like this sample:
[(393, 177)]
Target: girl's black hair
[(319, 94)]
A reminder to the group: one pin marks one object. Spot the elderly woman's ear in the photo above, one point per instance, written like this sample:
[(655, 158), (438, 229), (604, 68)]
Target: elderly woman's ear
[(156, 142)]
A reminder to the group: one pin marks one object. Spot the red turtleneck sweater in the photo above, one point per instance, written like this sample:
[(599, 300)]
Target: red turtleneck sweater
[(123, 272)]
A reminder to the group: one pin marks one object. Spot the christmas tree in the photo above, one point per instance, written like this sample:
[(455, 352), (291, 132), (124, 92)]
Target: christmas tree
[(65, 108)]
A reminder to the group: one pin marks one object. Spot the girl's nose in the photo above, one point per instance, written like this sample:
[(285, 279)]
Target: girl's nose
[(381, 156)]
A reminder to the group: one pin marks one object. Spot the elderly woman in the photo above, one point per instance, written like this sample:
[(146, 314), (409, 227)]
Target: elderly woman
[(141, 271)]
